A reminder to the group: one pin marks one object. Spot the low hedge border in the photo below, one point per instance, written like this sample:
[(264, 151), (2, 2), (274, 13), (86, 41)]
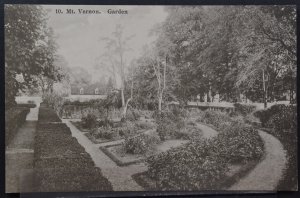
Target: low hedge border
[(14, 118), (97, 141), (79, 128), (26, 105), (116, 159)]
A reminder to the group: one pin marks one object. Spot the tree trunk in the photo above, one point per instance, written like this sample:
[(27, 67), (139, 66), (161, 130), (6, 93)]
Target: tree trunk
[(265, 91)]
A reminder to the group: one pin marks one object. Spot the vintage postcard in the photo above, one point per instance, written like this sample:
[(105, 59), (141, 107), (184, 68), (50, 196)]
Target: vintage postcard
[(150, 98)]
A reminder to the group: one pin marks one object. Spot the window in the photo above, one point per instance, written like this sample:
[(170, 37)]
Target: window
[(81, 91), (96, 91)]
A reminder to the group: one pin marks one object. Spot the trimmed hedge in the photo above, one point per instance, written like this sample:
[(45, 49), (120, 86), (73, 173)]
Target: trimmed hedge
[(14, 118), (28, 105), (61, 163), (47, 115)]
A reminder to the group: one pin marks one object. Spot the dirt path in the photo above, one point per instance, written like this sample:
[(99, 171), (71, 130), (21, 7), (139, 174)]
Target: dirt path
[(267, 173), (19, 156), (120, 177), (207, 131)]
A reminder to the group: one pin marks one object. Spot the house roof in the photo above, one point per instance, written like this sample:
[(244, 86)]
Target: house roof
[(88, 89)]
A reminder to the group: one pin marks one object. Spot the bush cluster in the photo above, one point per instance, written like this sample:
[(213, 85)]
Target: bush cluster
[(170, 122), (202, 164), (244, 109), (191, 167), (278, 116), (140, 144), (105, 133), (61, 163), (14, 118), (218, 119), (89, 121)]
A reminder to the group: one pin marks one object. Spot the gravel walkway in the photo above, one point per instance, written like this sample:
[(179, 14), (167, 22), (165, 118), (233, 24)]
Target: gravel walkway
[(19, 156), (120, 177), (266, 174), (207, 132)]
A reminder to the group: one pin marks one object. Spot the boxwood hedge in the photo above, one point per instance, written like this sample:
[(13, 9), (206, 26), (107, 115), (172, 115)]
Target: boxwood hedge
[(61, 163)]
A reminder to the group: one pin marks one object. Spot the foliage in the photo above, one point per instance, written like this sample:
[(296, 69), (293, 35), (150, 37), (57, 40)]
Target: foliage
[(202, 164), (238, 143), (89, 121), (30, 49), (265, 114), (105, 133), (170, 122), (218, 119), (14, 118), (54, 100), (244, 109), (194, 166), (61, 163), (140, 144), (285, 119)]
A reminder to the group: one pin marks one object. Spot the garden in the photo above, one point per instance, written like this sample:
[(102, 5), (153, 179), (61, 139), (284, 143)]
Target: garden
[(60, 163)]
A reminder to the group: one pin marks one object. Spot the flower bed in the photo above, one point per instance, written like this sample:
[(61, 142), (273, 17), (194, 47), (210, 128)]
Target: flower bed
[(14, 118), (61, 163), (202, 165), (136, 149)]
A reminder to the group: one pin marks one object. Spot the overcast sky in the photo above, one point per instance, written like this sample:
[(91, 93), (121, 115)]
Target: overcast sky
[(78, 35)]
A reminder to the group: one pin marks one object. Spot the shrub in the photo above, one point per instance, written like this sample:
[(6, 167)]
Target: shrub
[(105, 133), (244, 109), (216, 118), (14, 118), (54, 100), (89, 121), (145, 124), (265, 114), (194, 166), (202, 164), (170, 122), (239, 143), (285, 119), (140, 144)]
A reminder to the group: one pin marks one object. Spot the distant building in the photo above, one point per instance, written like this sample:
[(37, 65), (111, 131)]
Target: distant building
[(93, 89)]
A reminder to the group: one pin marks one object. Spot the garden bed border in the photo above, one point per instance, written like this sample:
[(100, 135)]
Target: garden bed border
[(112, 156)]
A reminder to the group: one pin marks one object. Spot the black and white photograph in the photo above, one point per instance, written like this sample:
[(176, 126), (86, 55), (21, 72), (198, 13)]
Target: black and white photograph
[(102, 98)]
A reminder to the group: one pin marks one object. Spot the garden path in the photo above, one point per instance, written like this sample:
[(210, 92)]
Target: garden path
[(19, 156), (120, 177), (207, 132), (267, 173)]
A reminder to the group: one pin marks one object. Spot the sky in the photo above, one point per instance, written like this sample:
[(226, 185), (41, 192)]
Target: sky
[(79, 35)]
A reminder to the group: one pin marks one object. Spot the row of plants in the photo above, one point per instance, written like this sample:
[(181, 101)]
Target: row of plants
[(202, 164), (61, 163), (14, 118)]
